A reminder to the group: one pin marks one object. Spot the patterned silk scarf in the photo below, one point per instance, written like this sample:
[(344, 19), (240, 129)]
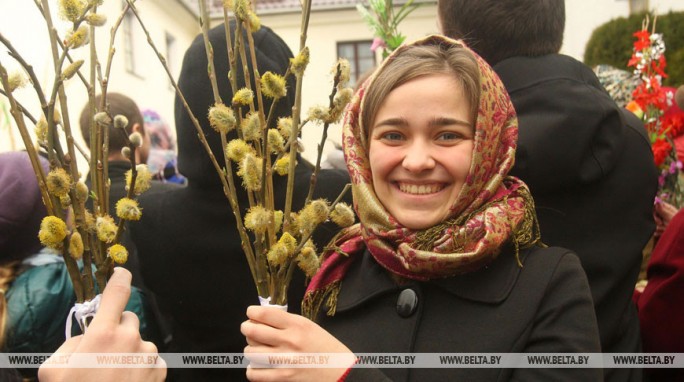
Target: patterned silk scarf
[(491, 210)]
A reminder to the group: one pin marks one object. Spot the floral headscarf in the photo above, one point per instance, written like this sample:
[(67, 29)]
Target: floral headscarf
[(491, 209)]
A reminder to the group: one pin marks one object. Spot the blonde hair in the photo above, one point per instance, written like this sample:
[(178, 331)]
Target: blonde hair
[(418, 61), (8, 272)]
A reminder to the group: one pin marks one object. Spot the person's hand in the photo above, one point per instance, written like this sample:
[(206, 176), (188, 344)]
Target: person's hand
[(271, 330), (664, 212), (111, 331)]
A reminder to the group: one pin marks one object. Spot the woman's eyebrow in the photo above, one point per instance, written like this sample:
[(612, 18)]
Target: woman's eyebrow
[(447, 121), (395, 121)]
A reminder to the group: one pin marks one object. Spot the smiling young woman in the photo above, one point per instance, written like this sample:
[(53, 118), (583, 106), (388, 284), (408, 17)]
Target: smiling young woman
[(447, 257)]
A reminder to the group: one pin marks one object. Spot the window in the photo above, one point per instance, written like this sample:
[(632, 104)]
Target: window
[(636, 6), (360, 56), (171, 48), (132, 38)]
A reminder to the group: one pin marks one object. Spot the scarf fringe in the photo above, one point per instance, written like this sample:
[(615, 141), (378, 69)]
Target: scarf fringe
[(527, 233), (314, 299)]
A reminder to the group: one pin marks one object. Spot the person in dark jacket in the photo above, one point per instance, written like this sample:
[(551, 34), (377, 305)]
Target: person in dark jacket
[(36, 293), (190, 250), (446, 258), (119, 165), (588, 163)]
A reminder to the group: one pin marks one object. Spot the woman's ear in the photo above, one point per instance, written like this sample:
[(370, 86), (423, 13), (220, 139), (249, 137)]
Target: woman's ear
[(137, 127)]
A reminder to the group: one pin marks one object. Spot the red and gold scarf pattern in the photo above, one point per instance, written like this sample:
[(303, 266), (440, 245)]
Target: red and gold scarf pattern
[(491, 210)]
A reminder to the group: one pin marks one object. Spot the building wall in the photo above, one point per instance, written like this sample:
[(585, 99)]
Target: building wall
[(22, 24)]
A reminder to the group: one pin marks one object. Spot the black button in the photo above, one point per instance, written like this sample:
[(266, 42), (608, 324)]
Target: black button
[(407, 303)]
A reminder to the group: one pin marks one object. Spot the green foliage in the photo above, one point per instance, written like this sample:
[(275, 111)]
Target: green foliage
[(382, 19), (611, 43)]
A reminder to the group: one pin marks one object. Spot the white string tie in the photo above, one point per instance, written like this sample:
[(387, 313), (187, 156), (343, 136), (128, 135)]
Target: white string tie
[(82, 311)]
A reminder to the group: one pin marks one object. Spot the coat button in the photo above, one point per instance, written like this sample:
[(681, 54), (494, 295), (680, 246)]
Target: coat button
[(407, 303)]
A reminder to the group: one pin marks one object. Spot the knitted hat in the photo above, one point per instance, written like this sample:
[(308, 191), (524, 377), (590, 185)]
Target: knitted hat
[(21, 206), (272, 54)]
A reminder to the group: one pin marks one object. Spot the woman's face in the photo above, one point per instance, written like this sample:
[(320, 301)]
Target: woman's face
[(421, 145)]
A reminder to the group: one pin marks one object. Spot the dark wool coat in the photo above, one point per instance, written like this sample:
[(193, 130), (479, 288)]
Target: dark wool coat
[(545, 306), (188, 243), (590, 169)]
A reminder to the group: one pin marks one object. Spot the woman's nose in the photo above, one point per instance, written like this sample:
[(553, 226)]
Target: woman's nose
[(419, 157)]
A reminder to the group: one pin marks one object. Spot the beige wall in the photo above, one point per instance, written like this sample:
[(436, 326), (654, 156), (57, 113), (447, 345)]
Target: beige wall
[(22, 23)]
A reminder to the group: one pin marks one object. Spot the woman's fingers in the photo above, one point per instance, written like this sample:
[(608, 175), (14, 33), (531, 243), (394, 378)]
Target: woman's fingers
[(262, 334), (270, 316), (114, 298)]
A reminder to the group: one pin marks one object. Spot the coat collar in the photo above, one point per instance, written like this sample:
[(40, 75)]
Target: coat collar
[(367, 280)]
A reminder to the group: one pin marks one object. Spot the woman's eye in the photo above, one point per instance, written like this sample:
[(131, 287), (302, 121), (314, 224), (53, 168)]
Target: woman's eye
[(392, 136), (449, 136)]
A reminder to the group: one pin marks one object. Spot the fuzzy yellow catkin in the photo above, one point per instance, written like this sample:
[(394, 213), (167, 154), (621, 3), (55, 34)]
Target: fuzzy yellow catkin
[(299, 63), (285, 127), (282, 165), (222, 118), (257, 219), (250, 172), (52, 231), (342, 215), (308, 261), (71, 10), (136, 139), (342, 98), (118, 253), (289, 241), (294, 223), (102, 118), (128, 209), (237, 149), (251, 127), (126, 152), (254, 21), (318, 113), (120, 121), (241, 9), (90, 222), (277, 219), (273, 85), (105, 228), (76, 246), (345, 72), (41, 129), (65, 200), (78, 38), (71, 69), (16, 80), (312, 215), (275, 141), (96, 19), (58, 182), (57, 117), (143, 180), (277, 255), (243, 97), (81, 191)]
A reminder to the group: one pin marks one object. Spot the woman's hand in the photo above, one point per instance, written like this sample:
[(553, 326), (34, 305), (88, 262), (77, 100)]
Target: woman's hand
[(664, 212), (111, 331), (270, 330)]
